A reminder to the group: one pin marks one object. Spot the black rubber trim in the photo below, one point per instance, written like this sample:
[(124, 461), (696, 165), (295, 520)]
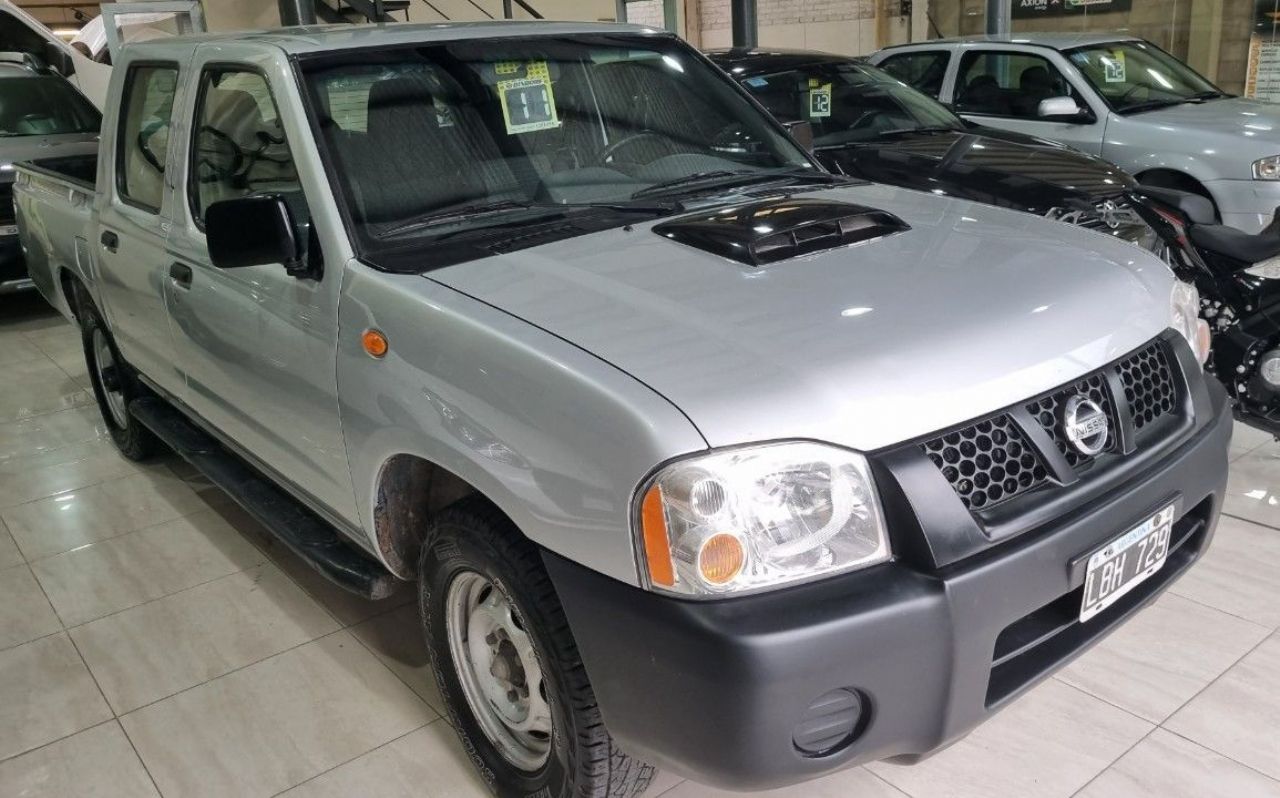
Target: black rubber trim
[(716, 690)]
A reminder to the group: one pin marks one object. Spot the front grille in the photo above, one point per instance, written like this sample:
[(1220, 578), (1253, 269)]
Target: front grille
[(1148, 384), (994, 460), (987, 462), (1048, 411), (1041, 640)]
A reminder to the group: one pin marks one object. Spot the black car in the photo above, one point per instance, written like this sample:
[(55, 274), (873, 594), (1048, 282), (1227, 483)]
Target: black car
[(869, 124)]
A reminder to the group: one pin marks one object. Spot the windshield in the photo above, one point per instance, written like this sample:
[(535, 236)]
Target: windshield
[(43, 106), (467, 135), (848, 102), (1134, 76)]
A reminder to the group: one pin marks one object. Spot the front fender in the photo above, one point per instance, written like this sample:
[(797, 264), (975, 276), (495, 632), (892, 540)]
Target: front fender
[(552, 435)]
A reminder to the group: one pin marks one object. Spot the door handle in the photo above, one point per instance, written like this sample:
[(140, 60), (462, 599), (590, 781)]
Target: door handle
[(110, 240), (181, 274)]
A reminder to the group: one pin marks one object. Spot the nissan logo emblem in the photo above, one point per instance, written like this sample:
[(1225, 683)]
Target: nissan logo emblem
[(1085, 425)]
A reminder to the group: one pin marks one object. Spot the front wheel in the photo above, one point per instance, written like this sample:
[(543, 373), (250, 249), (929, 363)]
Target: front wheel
[(508, 668), (114, 386)]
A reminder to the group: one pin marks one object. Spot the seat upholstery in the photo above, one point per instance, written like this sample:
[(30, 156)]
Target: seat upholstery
[(403, 165)]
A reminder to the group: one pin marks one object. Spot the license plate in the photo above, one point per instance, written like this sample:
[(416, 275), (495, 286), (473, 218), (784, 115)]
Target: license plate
[(1126, 562)]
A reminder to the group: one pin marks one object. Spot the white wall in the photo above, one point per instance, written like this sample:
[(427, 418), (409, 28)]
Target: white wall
[(241, 14), (836, 26), (462, 11)]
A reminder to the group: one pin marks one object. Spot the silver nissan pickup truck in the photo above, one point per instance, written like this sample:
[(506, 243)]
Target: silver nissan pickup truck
[(701, 458)]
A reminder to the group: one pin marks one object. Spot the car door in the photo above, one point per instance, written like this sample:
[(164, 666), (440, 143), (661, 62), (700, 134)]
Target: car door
[(134, 215), (258, 343), (1003, 88)]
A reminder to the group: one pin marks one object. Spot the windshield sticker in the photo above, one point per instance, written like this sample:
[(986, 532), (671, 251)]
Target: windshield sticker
[(1113, 66), (756, 82), (528, 103), (820, 101)]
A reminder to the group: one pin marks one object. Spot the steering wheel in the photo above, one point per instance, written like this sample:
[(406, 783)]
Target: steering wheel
[(604, 156), (229, 149)]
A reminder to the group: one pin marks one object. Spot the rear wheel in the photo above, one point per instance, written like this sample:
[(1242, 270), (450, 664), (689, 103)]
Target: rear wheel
[(508, 668), (114, 386)]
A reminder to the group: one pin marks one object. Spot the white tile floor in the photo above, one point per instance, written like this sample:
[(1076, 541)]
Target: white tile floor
[(154, 641)]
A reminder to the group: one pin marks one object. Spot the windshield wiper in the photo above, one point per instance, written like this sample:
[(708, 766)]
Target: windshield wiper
[(1151, 105), (926, 129), (458, 213), (499, 207), (724, 178), (1212, 94)]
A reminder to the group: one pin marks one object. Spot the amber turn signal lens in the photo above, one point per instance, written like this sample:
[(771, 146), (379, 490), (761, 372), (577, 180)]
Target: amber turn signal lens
[(657, 549), (375, 343), (721, 558)]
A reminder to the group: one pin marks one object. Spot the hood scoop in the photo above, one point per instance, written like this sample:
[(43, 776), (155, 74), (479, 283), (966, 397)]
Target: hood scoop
[(772, 230)]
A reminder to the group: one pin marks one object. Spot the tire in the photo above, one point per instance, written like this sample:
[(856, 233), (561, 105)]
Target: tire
[(474, 552), (114, 385)]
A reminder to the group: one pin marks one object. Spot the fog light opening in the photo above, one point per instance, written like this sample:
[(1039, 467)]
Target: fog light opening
[(832, 722)]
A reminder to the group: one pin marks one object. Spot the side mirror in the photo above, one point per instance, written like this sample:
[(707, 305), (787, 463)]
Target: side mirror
[(59, 59), (802, 132), (253, 231), (1063, 109)]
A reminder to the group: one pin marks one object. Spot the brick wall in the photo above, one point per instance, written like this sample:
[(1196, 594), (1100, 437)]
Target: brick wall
[(714, 14), (645, 12)]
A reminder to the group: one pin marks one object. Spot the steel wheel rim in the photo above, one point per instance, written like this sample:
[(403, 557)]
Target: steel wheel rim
[(104, 363), (498, 669)]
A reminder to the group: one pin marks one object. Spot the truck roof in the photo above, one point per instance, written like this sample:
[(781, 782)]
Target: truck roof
[(321, 38), (1056, 41)]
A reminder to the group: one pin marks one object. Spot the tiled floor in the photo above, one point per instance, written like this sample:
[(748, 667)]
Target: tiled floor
[(154, 641)]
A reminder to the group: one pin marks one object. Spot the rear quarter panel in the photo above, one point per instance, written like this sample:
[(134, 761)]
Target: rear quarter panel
[(54, 219)]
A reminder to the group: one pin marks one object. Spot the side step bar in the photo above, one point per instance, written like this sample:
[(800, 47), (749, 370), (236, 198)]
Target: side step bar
[(305, 533)]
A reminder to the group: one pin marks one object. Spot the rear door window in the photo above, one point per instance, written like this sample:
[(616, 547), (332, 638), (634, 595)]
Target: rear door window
[(143, 143), (922, 71)]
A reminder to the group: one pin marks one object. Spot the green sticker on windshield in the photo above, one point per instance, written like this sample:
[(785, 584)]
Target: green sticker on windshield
[(528, 103), (820, 101), (1113, 66)]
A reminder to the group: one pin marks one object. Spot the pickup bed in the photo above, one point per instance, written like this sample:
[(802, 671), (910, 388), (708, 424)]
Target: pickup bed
[(698, 456)]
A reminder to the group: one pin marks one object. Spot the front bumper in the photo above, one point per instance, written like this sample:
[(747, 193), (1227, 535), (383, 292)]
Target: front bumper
[(716, 690), (1246, 204)]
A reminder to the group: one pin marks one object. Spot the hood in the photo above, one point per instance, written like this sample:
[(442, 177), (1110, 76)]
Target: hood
[(969, 310), (1012, 171), (15, 149), (1237, 117)]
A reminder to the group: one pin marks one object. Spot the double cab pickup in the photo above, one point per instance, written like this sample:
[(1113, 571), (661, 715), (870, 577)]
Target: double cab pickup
[(698, 456)]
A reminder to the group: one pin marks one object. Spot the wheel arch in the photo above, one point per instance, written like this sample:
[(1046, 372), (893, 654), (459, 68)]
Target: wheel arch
[(74, 292), (410, 489), (1166, 177)]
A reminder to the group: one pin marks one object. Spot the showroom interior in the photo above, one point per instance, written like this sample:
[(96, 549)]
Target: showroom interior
[(808, 398)]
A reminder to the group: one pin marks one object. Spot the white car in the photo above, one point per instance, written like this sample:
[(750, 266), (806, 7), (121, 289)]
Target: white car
[(1118, 97)]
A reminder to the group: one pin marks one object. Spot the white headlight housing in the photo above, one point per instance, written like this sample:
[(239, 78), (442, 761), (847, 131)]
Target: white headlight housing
[(1267, 168), (759, 517), (1184, 316)]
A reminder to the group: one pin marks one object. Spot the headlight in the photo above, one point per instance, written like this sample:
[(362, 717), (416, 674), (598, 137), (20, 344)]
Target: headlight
[(1267, 168), (755, 518), (1184, 316)]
